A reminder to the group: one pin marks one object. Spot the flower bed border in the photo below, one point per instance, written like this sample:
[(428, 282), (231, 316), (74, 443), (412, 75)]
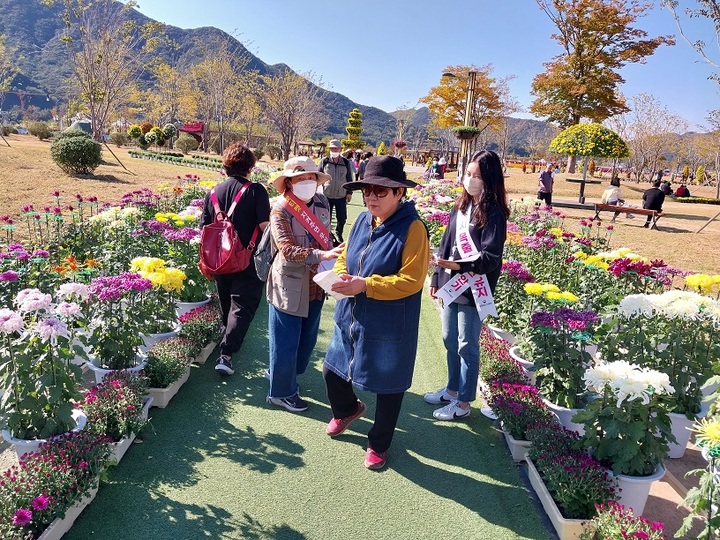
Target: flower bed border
[(567, 529)]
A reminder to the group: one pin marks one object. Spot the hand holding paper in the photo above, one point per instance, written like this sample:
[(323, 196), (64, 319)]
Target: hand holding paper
[(325, 280)]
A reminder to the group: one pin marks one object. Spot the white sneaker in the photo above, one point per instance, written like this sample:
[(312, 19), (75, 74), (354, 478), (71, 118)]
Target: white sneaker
[(452, 411), (438, 397)]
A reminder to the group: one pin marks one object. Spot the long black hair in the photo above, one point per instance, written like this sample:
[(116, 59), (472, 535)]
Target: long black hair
[(493, 192)]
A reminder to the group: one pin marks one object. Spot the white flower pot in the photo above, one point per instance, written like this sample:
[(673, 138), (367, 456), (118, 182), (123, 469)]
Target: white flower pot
[(181, 308), (565, 415), (516, 355), (499, 333), (681, 427), (162, 396), (151, 339), (100, 373), (121, 447), (518, 449), (58, 527), (634, 490), (567, 529), (205, 353), (26, 446)]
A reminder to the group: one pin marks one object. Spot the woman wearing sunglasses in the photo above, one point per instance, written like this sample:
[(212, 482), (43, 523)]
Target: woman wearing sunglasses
[(382, 272), (473, 242)]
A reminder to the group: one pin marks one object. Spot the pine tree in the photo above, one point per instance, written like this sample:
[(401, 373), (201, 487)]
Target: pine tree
[(354, 129)]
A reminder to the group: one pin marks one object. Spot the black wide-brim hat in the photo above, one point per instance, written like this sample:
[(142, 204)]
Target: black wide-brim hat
[(385, 171)]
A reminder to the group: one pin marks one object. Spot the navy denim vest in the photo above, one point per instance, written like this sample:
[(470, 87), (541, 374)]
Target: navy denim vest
[(375, 341)]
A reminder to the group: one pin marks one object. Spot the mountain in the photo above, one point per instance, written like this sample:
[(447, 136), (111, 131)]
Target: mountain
[(35, 28)]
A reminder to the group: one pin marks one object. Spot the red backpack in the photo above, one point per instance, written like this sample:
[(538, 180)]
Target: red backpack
[(221, 251)]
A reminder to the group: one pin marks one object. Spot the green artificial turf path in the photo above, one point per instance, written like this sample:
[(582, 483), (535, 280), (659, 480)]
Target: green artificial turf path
[(221, 463)]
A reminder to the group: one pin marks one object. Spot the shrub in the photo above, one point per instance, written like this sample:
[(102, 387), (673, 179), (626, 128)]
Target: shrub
[(259, 153), (167, 361), (273, 151), (134, 131), (186, 143), (7, 130), (39, 130), (71, 134), (76, 154), (118, 138), (145, 127), (169, 131), (157, 134)]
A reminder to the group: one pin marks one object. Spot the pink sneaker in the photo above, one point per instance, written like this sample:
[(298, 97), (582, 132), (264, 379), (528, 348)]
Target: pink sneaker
[(337, 425), (375, 460)]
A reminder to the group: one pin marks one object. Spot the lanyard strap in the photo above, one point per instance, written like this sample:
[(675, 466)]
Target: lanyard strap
[(307, 219)]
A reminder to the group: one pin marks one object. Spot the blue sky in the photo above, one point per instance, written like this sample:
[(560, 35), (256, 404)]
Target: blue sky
[(388, 54)]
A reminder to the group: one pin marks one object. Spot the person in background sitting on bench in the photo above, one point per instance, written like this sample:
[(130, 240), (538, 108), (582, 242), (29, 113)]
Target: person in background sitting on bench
[(611, 195), (545, 185), (653, 199), (682, 191)]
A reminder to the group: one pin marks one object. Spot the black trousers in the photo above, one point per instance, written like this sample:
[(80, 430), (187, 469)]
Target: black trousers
[(343, 402), (547, 197), (240, 296), (340, 206)]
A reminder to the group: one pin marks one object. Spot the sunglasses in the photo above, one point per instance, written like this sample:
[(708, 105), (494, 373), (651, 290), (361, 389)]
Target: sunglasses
[(378, 191)]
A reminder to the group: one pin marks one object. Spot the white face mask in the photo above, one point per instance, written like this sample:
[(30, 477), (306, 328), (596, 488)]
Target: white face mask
[(334, 154), (305, 189), (473, 186)]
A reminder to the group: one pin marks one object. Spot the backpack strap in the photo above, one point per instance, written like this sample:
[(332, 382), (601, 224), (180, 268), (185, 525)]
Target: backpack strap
[(237, 199)]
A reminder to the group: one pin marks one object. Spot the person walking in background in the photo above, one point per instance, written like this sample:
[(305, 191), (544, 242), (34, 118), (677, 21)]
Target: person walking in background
[(443, 165), (341, 172), (363, 163), (653, 199), (611, 195), (382, 272), (294, 300), (545, 185), (476, 234), (239, 293)]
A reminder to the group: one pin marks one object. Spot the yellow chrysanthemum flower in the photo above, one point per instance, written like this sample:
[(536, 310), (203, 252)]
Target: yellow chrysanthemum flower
[(708, 432), (580, 255), (533, 288), (549, 287)]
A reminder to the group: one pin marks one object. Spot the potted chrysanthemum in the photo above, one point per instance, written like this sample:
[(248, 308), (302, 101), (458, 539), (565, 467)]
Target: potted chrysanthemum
[(38, 381), (675, 333), (627, 427)]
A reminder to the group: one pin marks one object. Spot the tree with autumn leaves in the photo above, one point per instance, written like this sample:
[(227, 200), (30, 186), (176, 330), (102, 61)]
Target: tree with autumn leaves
[(446, 101), (598, 39)]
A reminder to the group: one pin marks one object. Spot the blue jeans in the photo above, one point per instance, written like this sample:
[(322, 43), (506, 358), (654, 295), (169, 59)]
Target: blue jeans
[(292, 341), (461, 326)]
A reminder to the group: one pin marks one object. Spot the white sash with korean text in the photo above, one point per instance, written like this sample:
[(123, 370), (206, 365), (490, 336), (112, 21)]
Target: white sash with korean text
[(478, 283)]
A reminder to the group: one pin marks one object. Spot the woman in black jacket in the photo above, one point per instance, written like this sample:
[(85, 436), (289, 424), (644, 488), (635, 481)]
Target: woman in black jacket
[(472, 243)]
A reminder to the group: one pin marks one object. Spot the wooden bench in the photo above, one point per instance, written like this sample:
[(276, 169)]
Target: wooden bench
[(599, 207)]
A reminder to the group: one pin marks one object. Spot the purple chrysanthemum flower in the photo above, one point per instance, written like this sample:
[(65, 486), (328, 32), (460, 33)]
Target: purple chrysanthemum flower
[(21, 517), (185, 234), (9, 275)]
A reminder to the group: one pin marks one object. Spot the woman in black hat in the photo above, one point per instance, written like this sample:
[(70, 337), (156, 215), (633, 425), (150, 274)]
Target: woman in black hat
[(382, 271)]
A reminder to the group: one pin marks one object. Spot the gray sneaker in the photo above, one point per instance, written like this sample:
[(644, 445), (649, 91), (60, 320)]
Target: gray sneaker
[(224, 365)]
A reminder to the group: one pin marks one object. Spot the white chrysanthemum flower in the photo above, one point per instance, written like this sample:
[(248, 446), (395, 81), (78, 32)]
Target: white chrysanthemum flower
[(10, 321), (129, 212), (681, 309), (660, 382), (192, 211), (67, 290), (68, 309), (630, 389), (636, 305)]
